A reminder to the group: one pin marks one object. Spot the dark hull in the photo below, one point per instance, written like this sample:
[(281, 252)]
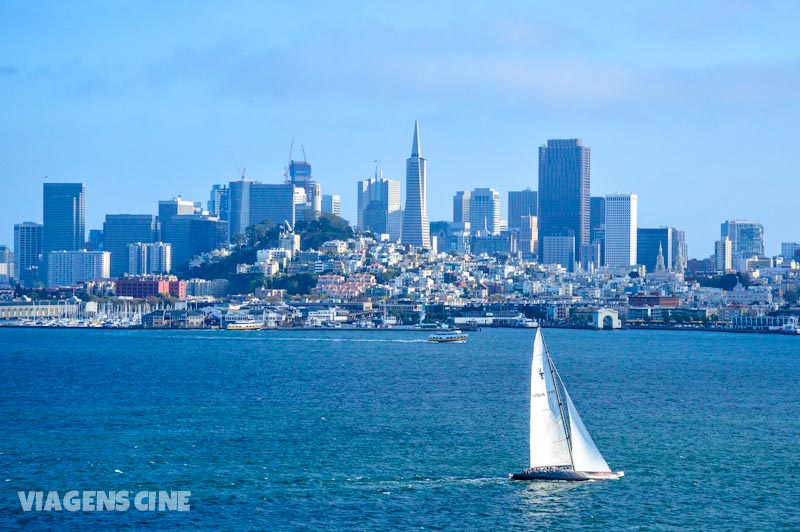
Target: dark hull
[(570, 476)]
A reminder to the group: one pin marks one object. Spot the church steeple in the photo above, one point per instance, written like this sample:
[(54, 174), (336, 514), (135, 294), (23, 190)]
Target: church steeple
[(415, 151), (660, 259)]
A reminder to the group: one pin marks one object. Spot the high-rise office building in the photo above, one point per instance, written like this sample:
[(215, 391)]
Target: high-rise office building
[(253, 203), (461, 206), (120, 230), (379, 207), (68, 268), (521, 203), (789, 250), (723, 255), (177, 206), (149, 258), (6, 264), (597, 213), (300, 176), (558, 249), (192, 235), (671, 241), (484, 211), (272, 203), (239, 206), (64, 217), (95, 241), (332, 204), (564, 183), (416, 230), (27, 252), (747, 237), (218, 202), (620, 235), (528, 242)]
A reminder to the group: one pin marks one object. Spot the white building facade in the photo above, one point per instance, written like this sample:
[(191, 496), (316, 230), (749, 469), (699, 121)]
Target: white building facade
[(622, 212)]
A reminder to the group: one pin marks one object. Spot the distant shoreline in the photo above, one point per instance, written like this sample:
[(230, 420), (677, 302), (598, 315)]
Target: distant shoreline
[(412, 330)]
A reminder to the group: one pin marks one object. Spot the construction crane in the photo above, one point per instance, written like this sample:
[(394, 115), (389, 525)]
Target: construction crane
[(286, 170), (239, 171)]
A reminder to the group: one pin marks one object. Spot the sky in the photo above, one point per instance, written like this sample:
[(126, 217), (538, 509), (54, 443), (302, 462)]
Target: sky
[(692, 105)]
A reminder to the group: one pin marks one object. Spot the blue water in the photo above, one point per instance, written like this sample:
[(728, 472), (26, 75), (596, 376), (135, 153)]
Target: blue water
[(379, 430)]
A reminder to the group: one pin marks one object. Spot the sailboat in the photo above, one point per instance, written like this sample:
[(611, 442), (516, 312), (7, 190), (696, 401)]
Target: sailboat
[(560, 446)]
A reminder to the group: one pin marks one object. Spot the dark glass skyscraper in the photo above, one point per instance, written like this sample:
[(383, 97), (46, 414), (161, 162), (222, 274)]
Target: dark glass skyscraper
[(597, 212), (521, 203), (564, 182), (27, 249), (119, 230), (672, 242), (64, 216)]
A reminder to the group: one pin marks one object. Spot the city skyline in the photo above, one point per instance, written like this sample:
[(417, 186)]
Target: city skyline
[(686, 118)]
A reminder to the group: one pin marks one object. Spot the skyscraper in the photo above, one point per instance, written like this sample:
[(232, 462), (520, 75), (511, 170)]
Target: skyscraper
[(528, 235), (253, 203), (416, 230), (300, 176), (564, 182), (272, 203), (332, 204), (120, 230), (484, 211), (461, 206), (789, 249), (621, 237), (27, 250), (558, 249), (670, 240), (379, 207), (64, 216), (521, 203), (239, 206), (723, 255), (597, 214), (218, 202), (747, 237), (6, 264), (193, 234)]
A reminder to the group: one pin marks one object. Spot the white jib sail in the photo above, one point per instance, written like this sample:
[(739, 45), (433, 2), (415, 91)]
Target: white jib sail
[(585, 455), (549, 445)]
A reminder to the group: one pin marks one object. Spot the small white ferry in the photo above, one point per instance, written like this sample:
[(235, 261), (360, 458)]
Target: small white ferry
[(247, 325), (451, 336), (242, 321)]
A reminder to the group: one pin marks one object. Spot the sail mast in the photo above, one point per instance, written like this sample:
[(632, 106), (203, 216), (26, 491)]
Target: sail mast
[(556, 379)]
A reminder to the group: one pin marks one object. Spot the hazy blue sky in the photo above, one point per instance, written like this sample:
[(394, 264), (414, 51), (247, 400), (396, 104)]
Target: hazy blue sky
[(692, 105)]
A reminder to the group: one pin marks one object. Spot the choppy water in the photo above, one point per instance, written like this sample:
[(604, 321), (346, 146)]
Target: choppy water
[(382, 430)]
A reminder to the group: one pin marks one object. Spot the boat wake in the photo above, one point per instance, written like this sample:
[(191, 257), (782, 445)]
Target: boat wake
[(421, 483), (264, 339)]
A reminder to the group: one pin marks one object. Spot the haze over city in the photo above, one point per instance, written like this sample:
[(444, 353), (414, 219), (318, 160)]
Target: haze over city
[(691, 107)]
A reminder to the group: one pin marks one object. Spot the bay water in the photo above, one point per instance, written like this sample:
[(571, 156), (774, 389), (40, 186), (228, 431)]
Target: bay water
[(382, 430)]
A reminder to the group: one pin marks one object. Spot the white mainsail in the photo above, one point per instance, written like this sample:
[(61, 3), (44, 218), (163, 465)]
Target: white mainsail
[(549, 444), (585, 455)]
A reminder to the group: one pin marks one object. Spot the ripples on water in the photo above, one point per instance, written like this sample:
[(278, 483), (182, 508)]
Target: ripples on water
[(384, 430)]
